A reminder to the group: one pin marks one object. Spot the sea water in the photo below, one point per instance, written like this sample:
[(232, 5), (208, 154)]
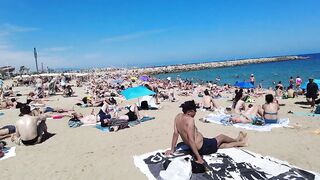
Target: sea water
[(268, 74)]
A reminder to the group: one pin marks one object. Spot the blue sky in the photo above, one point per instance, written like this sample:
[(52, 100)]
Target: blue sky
[(147, 32)]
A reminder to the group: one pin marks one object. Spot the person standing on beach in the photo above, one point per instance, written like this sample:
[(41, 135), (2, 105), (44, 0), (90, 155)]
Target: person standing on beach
[(252, 79), (184, 126), (1, 83), (291, 82), (298, 82), (312, 92)]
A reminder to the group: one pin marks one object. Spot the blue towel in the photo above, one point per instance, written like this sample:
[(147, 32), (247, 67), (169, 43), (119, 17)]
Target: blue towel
[(144, 119), (306, 114), (104, 129)]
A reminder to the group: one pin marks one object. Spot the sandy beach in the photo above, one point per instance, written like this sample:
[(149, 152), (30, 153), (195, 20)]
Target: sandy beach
[(87, 153)]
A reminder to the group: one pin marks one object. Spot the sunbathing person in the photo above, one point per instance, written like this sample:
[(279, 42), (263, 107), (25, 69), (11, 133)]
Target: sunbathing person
[(89, 119), (29, 129), (240, 105), (132, 115), (6, 131), (184, 126), (207, 101), (270, 110), (250, 115)]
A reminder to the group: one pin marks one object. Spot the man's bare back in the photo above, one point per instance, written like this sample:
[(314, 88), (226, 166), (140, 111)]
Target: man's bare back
[(207, 102), (184, 127), (27, 127), (183, 123)]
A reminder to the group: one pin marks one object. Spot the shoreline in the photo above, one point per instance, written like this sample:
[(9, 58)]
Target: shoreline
[(212, 65)]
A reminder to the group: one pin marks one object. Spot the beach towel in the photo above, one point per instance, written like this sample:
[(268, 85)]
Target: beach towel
[(306, 114), (232, 163), (103, 129), (144, 119), (224, 120), (120, 122), (8, 152), (284, 122)]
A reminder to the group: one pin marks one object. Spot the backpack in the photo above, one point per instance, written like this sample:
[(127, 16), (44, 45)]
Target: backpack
[(73, 123), (317, 111), (144, 105)]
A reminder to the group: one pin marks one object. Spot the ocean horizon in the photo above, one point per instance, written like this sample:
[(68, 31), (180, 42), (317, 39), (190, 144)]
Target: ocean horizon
[(267, 74)]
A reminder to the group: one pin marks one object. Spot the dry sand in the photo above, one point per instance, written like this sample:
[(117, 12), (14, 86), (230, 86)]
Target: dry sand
[(87, 153)]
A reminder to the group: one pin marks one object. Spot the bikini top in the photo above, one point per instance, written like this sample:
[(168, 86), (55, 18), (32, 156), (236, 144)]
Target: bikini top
[(276, 113)]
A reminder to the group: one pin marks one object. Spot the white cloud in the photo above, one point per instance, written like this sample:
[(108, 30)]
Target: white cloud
[(132, 36), (6, 29)]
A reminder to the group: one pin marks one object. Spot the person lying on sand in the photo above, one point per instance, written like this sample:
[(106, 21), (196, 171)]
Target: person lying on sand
[(132, 115), (185, 127), (6, 131), (88, 119), (250, 115)]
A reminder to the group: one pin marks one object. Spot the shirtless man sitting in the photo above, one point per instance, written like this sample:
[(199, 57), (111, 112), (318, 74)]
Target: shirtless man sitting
[(29, 129), (185, 127)]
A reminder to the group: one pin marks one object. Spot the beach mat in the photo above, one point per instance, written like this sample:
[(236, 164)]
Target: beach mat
[(223, 119), (130, 124), (284, 122), (306, 114), (103, 129), (229, 163), (8, 152), (144, 119)]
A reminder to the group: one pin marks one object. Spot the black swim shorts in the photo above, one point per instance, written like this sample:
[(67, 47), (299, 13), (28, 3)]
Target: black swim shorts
[(209, 146)]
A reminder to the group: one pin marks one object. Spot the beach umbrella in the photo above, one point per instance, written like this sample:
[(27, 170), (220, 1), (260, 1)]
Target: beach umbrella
[(136, 92), (304, 85), (133, 78), (144, 78), (245, 85)]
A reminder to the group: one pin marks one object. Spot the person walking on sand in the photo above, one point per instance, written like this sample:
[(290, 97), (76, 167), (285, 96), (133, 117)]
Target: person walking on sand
[(184, 126), (312, 92)]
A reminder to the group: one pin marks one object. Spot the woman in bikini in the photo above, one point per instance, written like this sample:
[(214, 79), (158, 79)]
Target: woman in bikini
[(270, 110)]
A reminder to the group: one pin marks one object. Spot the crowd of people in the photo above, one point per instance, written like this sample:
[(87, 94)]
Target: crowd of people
[(104, 91)]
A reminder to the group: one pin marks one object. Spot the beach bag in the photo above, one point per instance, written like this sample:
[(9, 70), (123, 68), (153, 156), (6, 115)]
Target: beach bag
[(317, 111), (258, 121), (178, 169), (73, 123), (144, 105)]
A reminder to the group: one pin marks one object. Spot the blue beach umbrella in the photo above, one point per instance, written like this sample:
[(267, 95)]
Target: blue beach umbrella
[(144, 78), (304, 85), (245, 85), (136, 92)]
